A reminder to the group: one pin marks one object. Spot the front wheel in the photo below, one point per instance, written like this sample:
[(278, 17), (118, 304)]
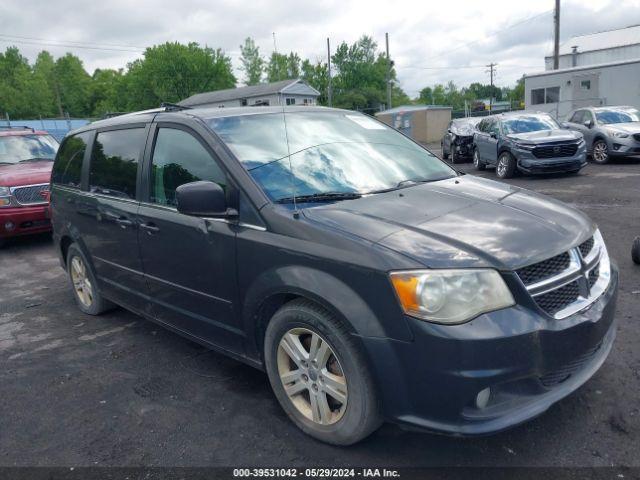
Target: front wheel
[(476, 160), (445, 154), (319, 375), (600, 152), (506, 167)]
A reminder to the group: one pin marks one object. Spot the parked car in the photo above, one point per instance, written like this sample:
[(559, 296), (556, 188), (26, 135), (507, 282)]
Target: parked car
[(608, 131), (26, 158), (457, 142), (367, 277), (527, 142)]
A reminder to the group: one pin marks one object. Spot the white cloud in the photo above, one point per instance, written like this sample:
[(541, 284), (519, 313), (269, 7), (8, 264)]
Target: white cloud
[(445, 37)]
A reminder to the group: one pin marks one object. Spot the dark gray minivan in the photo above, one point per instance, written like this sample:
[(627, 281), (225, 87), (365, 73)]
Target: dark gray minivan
[(369, 279)]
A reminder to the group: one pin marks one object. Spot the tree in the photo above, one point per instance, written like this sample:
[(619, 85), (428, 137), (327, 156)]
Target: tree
[(172, 72), (106, 92), (283, 67), (252, 62), (74, 85), (45, 71), (316, 75)]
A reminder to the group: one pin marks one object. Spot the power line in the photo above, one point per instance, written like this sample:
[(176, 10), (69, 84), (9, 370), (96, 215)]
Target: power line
[(509, 27), (67, 45), (99, 44), (456, 67)]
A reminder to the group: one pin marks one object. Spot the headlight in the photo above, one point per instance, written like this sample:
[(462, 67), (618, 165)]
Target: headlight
[(450, 296), (5, 197), (525, 146), (619, 134)]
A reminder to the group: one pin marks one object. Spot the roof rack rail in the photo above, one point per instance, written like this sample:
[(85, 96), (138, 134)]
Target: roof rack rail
[(24, 127), (113, 114), (173, 107)]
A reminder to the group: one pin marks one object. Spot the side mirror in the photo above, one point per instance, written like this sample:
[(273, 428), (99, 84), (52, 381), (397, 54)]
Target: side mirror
[(588, 123), (564, 125), (493, 135), (203, 199)]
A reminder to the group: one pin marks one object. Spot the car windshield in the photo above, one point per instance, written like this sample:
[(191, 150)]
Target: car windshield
[(24, 148), (618, 116), (330, 153), (524, 124)]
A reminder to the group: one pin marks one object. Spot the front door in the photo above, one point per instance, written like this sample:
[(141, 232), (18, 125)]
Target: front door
[(189, 262), (107, 214), (490, 145)]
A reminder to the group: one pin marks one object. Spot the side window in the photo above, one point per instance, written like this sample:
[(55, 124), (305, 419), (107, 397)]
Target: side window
[(114, 162), (494, 127), (577, 117), (482, 126), (67, 168), (179, 158), (588, 116)]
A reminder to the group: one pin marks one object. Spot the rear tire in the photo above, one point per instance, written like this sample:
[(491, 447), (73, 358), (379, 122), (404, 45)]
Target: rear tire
[(477, 162), (84, 285), (506, 167), (635, 251), (333, 398)]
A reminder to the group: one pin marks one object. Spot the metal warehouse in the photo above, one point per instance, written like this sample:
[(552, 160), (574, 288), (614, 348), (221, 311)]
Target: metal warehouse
[(560, 91), (423, 123)]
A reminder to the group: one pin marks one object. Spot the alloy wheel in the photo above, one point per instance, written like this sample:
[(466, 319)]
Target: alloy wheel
[(312, 376), (81, 283), (600, 152), (503, 165)]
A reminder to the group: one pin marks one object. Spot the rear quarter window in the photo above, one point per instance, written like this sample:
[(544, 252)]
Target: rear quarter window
[(67, 169)]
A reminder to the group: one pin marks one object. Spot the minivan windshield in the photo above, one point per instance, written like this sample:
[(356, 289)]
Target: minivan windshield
[(618, 116), (26, 148), (524, 124), (331, 153)]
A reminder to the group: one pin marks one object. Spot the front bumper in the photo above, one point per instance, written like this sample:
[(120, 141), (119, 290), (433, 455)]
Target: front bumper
[(529, 163), (528, 360), (623, 147), (24, 221), (463, 147)]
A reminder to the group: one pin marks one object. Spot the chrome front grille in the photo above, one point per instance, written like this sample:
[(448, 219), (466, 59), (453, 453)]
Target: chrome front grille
[(545, 269), (567, 283), (30, 194)]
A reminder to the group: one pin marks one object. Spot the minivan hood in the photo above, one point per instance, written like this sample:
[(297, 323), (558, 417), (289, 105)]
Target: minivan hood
[(27, 173), (546, 136), (461, 222)]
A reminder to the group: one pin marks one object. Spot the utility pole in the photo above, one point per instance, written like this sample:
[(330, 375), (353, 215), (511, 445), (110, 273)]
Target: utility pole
[(329, 88), (492, 66), (556, 36), (386, 35)]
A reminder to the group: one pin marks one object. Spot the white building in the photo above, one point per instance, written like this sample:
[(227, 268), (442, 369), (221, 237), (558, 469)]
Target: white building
[(285, 92), (598, 48), (597, 69), (560, 91)]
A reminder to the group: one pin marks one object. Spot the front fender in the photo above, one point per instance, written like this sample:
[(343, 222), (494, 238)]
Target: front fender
[(328, 291)]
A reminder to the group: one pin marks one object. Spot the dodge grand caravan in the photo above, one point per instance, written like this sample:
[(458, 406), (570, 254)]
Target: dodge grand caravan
[(369, 279)]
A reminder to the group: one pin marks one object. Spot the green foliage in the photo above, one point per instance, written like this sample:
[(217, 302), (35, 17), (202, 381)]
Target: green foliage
[(252, 62), (167, 73), (283, 67), (452, 96)]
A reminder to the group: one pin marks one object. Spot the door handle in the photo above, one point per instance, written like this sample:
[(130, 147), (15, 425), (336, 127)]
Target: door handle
[(150, 227), (124, 222)]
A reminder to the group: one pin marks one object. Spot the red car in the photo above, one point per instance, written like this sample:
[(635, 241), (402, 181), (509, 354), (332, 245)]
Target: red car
[(26, 158)]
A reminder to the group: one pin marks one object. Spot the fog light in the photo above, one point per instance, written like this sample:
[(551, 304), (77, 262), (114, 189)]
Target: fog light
[(482, 399), (9, 226)]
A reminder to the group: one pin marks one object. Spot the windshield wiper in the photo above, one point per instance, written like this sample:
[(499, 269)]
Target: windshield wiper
[(321, 197), (36, 159), (408, 183)]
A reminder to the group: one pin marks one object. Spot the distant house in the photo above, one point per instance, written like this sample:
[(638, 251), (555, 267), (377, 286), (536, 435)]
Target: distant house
[(598, 48), (285, 92)]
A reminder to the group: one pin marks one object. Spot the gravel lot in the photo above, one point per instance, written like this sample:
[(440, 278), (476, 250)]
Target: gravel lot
[(118, 390)]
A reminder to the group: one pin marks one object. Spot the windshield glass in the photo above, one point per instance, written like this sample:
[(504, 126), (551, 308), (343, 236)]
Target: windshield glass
[(618, 116), (20, 148), (331, 152), (533, 123)]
